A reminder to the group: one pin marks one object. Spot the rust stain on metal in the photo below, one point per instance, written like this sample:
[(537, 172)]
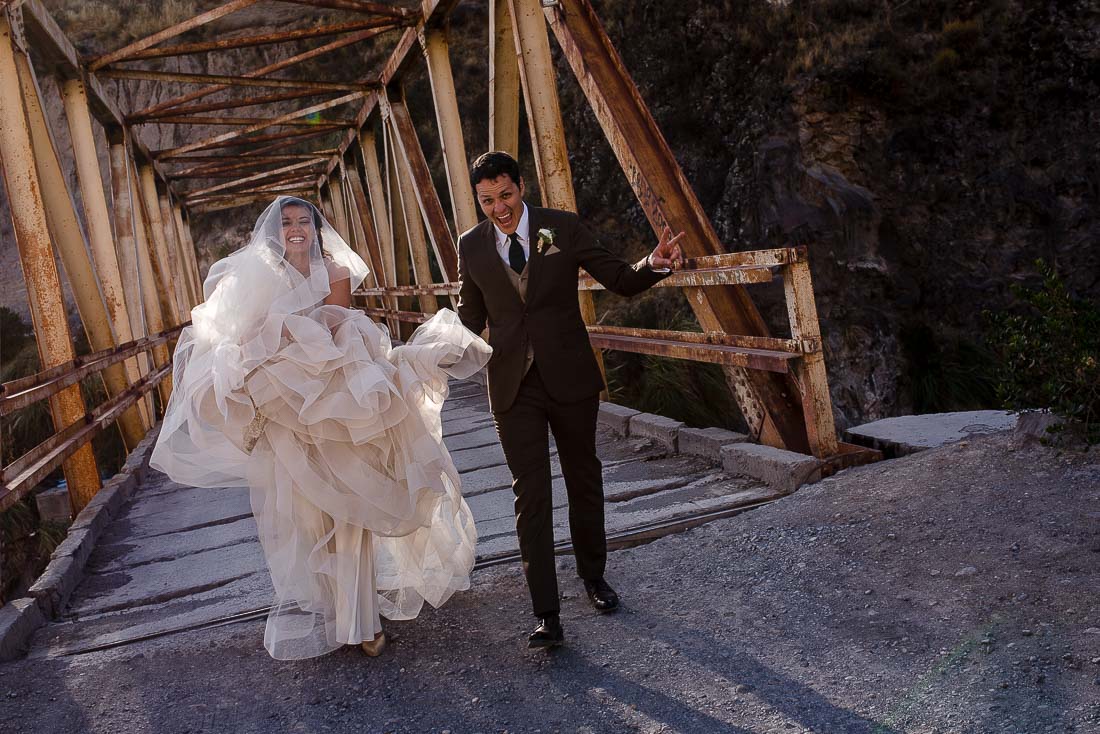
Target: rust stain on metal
[(263, 39), (348, 40), (170, 32)]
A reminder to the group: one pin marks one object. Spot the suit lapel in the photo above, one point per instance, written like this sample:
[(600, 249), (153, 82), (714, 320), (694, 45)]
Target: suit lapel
[(534, 261)]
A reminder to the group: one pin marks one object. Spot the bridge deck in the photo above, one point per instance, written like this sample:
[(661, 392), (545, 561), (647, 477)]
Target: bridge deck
[(179, 558)]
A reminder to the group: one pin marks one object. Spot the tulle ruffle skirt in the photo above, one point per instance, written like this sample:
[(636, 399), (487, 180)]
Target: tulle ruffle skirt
[(355, 496)]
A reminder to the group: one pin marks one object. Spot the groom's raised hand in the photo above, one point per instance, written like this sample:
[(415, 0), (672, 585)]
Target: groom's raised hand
[(667, 255)]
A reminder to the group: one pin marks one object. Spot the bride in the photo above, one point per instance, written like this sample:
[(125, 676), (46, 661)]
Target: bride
[(281, 386)]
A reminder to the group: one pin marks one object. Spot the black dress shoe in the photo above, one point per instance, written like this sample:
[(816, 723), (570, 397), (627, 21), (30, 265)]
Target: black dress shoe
[(602, 596), (548, 634)]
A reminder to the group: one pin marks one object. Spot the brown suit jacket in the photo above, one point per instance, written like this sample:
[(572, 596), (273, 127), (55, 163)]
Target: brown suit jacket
[(550, 319)]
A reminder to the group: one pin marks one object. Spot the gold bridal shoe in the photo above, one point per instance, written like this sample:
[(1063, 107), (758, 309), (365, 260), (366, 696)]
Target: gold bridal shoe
[(374, 647)]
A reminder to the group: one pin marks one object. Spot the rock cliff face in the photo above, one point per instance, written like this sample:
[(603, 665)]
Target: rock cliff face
[(927, 155)]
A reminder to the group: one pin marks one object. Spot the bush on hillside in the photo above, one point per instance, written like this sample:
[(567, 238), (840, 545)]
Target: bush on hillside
[(1050, 354)]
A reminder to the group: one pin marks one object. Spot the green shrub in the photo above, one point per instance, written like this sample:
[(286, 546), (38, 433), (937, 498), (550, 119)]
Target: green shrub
[(1050, 354)]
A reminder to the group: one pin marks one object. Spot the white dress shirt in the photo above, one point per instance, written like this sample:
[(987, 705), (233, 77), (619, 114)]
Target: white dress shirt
[(523, 230)]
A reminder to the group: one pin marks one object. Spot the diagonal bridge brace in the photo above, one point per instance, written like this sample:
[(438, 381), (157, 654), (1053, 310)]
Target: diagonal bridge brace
[(771, 402)]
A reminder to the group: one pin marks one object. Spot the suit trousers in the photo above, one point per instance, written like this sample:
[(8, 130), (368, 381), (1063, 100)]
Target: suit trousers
[(523, 435)]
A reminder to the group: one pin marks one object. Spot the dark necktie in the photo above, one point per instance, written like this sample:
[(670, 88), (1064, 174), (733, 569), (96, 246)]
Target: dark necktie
[(516, 258)]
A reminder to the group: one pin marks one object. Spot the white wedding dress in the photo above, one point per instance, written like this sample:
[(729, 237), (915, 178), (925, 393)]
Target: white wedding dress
[(355, 496)]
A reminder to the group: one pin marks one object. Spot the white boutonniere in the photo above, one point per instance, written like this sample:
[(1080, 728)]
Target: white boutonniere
[(546, 238)]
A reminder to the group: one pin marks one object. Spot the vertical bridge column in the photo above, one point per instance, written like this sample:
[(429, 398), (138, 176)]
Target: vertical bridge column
[(547, 130), (503, 80), (434, 43), (133, 424), (372, 173), (43, 282)]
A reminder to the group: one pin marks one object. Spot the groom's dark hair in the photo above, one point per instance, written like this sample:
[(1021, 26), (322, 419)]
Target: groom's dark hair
[(493, 164)]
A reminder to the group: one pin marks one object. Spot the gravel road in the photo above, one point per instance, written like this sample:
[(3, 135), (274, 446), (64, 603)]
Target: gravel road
[(953, 591)]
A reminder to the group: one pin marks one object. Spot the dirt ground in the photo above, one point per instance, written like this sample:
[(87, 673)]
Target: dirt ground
[(957, 590)]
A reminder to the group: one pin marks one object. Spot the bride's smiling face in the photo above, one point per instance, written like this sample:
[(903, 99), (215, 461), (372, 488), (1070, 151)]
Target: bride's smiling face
[(298, 231)]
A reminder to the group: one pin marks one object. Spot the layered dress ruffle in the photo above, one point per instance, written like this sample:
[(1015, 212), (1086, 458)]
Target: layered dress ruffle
[(355, 496)]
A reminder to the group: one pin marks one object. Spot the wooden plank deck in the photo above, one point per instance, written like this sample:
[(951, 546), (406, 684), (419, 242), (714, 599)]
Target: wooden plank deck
[(180, 557)]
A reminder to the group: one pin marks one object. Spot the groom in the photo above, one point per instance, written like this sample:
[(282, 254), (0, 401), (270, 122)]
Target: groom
[(519, 272)]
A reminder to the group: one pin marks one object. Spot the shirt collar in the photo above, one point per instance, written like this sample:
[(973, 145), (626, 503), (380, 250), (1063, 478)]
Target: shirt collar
[(523, 230)]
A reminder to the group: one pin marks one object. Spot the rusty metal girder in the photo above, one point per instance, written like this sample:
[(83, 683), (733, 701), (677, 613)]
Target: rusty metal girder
[(337, 124), (503, 81), (286, 63), (435, 289), (232, 170), (229, 80), (698, 278), (366, 218), (263, 39), (221, 205), (278, 141), (756, 343), (408, 317), (236, 134), (254, 177), (412, 156), (32, 237), (232, 104), (770, 403), (359, 6), (170, 32), (754, 359)]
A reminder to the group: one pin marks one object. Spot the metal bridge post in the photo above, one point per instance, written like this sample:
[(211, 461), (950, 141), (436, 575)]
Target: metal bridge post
[(397, 219), (126, 250), (154, 295), (163, 261), (187, 247), (336, 192), (410, 157), (180, 281), (325, 195), (100, 238), (376, 189), (43, 282), (540, 94), (434, 43), (503, 80), (365, 221), (414, 232), (810, 370)]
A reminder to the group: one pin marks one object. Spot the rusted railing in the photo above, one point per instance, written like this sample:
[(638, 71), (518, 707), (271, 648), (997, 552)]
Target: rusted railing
[(25, 472), (800, 355)]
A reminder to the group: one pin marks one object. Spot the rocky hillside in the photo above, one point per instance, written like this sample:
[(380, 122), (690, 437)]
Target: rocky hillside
[(927, 151)]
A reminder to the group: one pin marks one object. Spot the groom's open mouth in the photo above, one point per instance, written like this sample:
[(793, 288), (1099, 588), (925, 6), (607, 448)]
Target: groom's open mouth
[(505, 219)]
